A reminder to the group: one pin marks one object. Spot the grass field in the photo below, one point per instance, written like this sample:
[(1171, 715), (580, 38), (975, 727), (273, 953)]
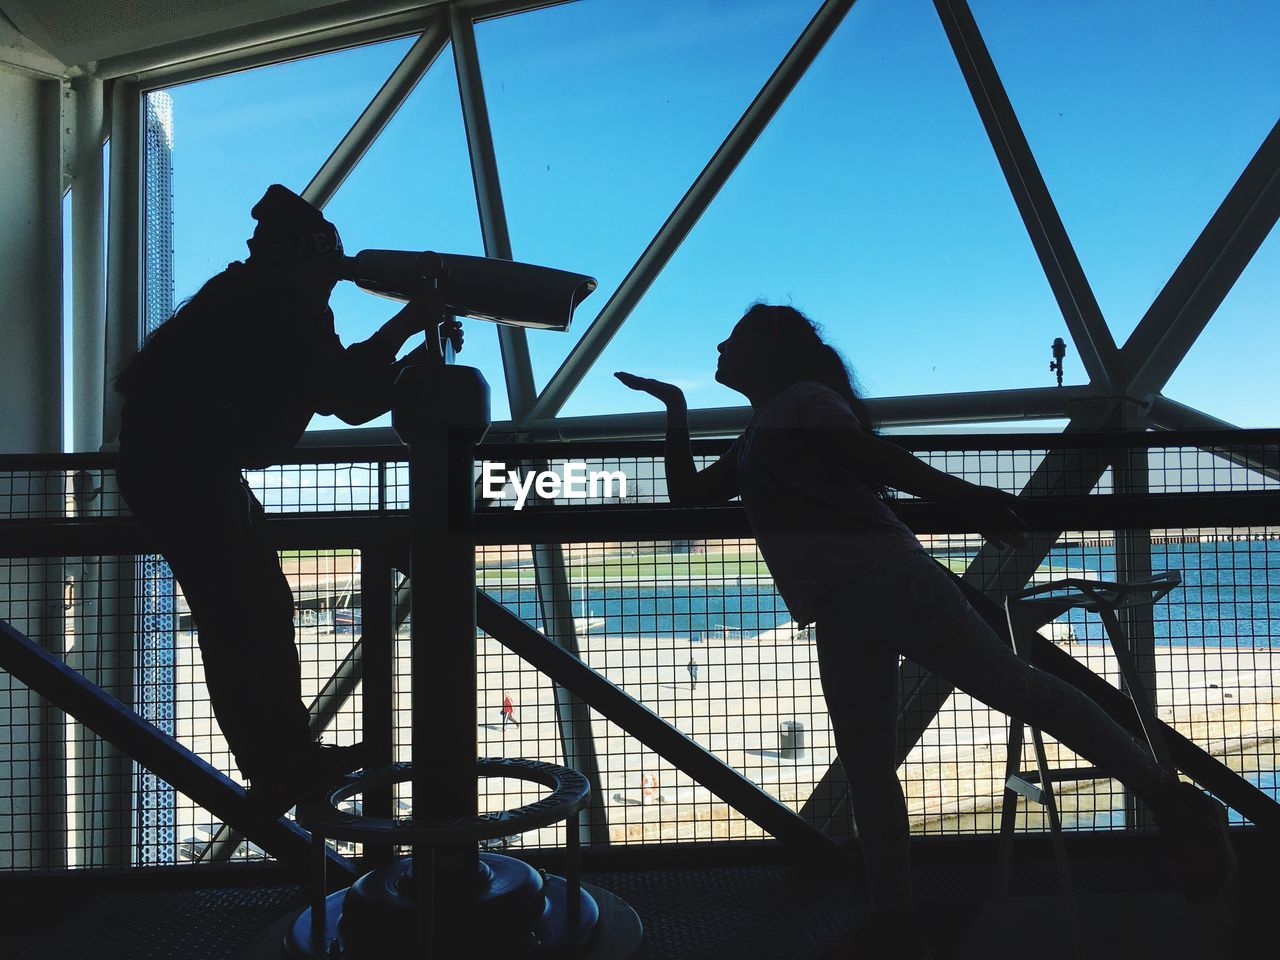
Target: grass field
[(600, 569), (661, 566)]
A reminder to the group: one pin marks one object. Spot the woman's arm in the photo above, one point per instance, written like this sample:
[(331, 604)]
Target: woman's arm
[(687, 486), (877, 461)]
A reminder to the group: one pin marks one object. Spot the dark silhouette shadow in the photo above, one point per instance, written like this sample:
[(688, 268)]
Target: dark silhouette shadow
[(814, 481), (229, 383)]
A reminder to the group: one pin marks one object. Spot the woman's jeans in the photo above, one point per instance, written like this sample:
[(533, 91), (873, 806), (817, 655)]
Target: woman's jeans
[(210, 528), (912, 607)]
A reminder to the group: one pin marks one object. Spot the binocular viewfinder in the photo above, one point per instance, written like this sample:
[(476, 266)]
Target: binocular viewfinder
[(482, 288)]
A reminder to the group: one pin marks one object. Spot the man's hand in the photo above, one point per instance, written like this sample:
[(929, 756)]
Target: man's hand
[(451, 330), (668, 393), (422, 314), (419, 312), (998, 518)]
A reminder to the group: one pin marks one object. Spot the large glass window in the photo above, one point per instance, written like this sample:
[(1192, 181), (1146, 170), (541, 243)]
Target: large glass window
[(1228, 371), (235, 135), (1141, 115), (413, 191), (603, 115), (874, 203)]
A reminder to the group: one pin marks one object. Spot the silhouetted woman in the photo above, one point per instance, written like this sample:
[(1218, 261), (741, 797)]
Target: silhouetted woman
[(228, 383), (809, 471)]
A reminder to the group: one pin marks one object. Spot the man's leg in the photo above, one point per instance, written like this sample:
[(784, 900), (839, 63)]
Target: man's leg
[(243, 609)]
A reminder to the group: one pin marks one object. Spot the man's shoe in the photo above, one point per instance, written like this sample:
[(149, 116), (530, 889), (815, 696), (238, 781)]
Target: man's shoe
[(304, 775), (327, 765), (1195, 827)]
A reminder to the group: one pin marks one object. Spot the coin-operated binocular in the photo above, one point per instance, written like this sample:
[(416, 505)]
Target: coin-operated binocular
[(451, 898), (500, 291)]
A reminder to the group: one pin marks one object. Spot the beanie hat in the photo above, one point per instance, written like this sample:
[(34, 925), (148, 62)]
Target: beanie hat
[(289, 228)]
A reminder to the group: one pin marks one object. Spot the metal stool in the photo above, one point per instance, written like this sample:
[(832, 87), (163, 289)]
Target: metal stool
[(1027, 611)]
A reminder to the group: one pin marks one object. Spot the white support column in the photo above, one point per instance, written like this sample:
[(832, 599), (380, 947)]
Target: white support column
[(1131, 476), (88, 268), (31, 265), (124, 248), (106, 772), (32, 745)]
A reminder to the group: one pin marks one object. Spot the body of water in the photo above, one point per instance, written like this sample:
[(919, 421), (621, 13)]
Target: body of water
[(1230, 597)]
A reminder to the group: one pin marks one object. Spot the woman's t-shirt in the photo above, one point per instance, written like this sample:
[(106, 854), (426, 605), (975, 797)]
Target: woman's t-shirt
[(819, 526)]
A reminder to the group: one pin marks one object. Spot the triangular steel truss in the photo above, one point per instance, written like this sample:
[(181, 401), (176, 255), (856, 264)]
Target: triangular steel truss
[(1132, 374)]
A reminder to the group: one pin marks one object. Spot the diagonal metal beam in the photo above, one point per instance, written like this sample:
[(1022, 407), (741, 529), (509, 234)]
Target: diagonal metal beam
[(1167, 414), (397, 88), (1187, 756), (655, 733), (516, 365), (113, 721), (1206, 274), (323, 29), (1066, 278), (1170, 415), (982, 406), (688, 211)]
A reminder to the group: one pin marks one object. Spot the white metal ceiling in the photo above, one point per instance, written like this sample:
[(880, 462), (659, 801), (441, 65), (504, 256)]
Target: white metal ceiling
[(78, 32)]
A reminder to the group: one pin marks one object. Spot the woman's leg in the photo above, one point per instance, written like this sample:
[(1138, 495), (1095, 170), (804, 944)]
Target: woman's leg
[(860, 681), (944, 634), (919, 608)]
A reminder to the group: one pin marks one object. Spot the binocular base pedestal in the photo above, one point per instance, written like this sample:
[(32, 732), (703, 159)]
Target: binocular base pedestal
[(604, 928)]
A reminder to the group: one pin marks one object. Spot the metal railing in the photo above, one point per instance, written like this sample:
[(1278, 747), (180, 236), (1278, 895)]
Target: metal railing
[(657, 656)]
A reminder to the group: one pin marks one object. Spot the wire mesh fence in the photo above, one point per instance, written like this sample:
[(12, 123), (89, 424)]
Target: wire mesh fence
[(691, 627)]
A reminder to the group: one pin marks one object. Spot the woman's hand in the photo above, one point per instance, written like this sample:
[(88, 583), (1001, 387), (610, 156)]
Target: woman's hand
[(998, 518), (668, 393)]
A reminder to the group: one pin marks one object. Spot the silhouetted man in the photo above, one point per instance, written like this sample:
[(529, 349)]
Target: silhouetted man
[(228, 383)]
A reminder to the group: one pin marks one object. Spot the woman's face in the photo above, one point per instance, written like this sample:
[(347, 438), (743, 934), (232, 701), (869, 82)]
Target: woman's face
[(743, 360)]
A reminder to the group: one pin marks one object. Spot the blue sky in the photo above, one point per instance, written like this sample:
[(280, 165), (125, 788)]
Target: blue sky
[(873, 202)]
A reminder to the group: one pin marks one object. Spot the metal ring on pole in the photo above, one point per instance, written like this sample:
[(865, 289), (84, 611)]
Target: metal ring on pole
[(570, 792)]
